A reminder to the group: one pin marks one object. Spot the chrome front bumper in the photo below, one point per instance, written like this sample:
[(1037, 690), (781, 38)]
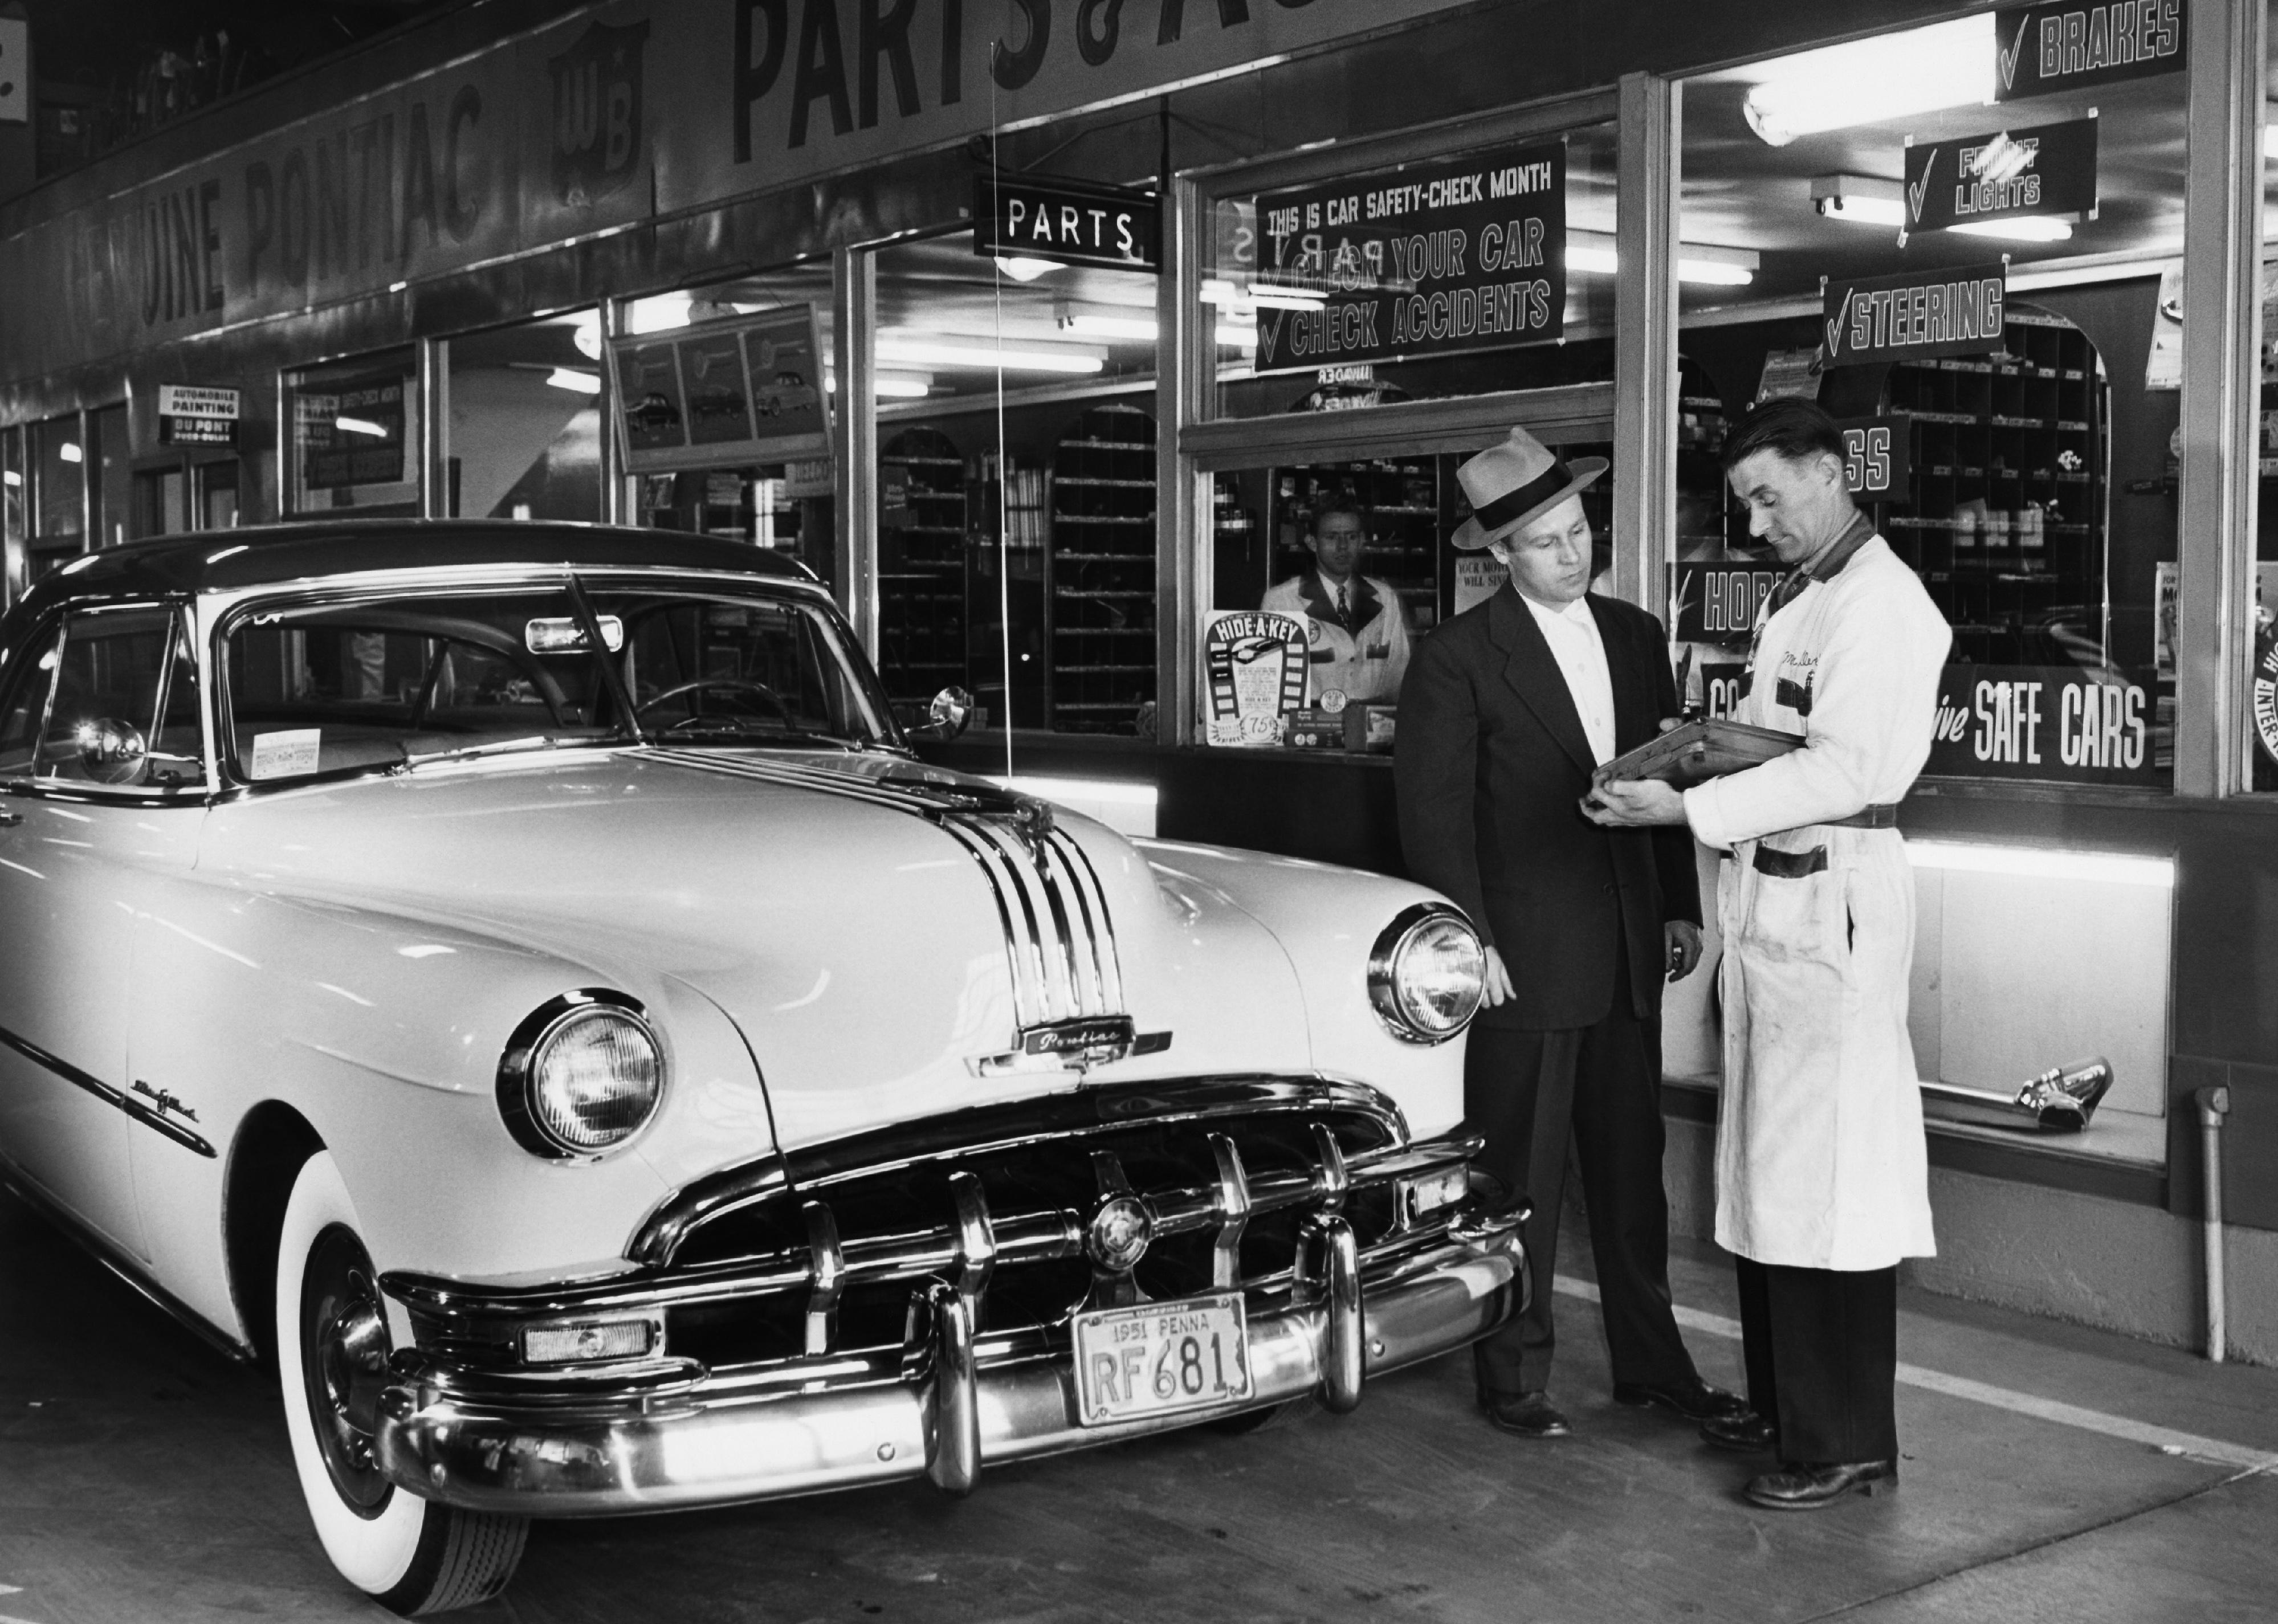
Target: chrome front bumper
[(825, 1423)]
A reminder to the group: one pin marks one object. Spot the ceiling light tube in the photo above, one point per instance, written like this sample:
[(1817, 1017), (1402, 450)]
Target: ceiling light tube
[(2023, 228), (1873, 80), (940, 352), (1021, 269), (572, 379), (359, 425), (69, 451), (1863, 200), (1593, 253)]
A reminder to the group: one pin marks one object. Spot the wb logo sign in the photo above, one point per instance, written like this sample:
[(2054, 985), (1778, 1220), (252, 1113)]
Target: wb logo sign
[(597, 112)]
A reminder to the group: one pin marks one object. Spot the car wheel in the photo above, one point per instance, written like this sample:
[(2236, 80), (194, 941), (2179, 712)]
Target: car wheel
[(408, 1554)]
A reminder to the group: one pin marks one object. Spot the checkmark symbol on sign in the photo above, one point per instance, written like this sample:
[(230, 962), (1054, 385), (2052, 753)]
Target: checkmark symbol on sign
[(2008, 59), (1919, 189), (1842, 320)]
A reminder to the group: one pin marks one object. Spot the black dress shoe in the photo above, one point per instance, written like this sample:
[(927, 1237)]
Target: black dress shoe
[(1692, 1398), (1529, 1415), (1746, 1430), (1811, 1488)]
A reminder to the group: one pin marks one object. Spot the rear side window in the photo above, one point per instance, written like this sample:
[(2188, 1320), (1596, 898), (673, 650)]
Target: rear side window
[(23, 712)]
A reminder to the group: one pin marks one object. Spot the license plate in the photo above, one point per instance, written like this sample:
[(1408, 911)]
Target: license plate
[(1161, 1357)]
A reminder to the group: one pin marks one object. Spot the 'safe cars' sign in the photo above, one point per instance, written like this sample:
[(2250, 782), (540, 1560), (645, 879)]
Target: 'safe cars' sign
[(2046, 723)]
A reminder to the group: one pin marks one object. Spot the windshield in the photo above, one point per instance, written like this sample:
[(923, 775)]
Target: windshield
[(337, 684)]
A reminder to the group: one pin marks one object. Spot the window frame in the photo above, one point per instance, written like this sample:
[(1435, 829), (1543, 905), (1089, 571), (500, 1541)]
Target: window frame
[(182, 635)]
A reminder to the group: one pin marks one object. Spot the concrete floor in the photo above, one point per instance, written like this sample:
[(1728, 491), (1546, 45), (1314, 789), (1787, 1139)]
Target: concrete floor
[(141, 1479)]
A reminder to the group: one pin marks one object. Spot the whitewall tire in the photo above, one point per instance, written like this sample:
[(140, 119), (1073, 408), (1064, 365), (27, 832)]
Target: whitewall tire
[(332, 1343)]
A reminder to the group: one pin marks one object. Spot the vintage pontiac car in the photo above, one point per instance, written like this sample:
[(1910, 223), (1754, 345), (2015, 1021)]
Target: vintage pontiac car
[(521, 978)]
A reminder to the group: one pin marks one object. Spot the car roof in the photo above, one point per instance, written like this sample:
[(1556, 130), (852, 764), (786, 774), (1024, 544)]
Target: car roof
[(260, 556)]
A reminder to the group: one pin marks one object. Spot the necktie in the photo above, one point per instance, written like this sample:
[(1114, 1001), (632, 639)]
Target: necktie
[(1344, 607)]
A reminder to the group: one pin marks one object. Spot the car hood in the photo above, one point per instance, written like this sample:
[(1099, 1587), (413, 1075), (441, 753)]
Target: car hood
[(878, 930)]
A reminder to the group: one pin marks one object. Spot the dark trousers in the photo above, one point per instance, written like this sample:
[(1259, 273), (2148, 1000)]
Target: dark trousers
[(1530, 1093), (1822, 1347)]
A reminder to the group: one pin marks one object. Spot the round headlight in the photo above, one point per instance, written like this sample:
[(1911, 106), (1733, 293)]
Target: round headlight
[(1427, 974), (583, 1074)]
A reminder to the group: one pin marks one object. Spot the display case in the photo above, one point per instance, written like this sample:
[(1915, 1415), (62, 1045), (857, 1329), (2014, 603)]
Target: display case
[(1102, 571)]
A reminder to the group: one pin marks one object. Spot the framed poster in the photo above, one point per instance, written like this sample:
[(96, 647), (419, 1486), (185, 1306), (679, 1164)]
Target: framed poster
[(723, 393)]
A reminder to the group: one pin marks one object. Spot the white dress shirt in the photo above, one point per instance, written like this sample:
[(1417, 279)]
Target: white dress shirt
[(1572, 634)]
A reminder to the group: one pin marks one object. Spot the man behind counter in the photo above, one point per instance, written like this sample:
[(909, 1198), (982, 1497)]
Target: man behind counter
[(1356, 627)]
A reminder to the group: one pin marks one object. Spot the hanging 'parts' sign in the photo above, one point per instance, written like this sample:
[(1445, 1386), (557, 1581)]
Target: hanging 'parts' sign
[(2072, 46), (2047, 171), (1955, 311), (1422, 261), (1068, 222)]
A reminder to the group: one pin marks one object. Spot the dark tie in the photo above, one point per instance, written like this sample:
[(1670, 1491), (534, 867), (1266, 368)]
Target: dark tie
[(1344, 608)]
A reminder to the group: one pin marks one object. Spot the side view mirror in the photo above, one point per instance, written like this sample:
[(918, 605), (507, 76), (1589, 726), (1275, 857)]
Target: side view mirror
[(946, 718), (111, 752)]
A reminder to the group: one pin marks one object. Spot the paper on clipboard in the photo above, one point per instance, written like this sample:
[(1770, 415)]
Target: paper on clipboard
[(1699, 751)]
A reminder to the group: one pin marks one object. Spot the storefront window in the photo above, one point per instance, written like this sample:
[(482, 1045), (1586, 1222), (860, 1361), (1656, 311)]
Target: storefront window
[(1466, 275), (1017, 486), (15, 515), (58, 500), (2262, 643), (725, 393), (1986, 295), (352, 431), (525, 422)]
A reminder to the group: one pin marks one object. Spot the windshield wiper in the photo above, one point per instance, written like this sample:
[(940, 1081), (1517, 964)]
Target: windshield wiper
[(726, 732), (495, 747)]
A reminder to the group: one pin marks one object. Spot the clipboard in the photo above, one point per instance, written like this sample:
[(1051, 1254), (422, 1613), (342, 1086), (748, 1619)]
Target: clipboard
[(1699, 751)]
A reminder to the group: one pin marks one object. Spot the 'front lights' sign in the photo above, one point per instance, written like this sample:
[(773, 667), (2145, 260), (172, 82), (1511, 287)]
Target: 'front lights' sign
[(2045, 172), (1955, 311)]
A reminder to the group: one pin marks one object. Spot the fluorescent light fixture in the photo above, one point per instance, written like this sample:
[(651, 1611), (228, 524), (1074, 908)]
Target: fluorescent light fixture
[(940, 352), (1593, 253), (1241, 300), (660, 313), (2037, 862), (69, 451), (1873, 80), (2270, 133), (571, 377), (1139, 327), (359, 425), (889, 386), (1106, 792), (1863, 200), (2025, 228), (12, 478), (586, 335), (1024, 269), (1231, 337)]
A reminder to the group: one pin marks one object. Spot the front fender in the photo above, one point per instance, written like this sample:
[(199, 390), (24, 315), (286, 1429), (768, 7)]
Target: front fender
[(1326, 919)]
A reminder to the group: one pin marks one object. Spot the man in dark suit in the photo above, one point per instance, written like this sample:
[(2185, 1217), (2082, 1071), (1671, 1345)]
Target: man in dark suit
[(1507, 709)]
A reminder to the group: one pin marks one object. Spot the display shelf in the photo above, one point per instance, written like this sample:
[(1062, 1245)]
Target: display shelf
[(2004, 515), (922, 524), (1102, 594)]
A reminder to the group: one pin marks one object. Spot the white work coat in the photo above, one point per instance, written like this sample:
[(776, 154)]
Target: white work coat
[(1820, 1157), (1365, 663)]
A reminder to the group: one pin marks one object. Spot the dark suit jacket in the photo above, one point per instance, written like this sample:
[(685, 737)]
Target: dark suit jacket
[(1491, 765)]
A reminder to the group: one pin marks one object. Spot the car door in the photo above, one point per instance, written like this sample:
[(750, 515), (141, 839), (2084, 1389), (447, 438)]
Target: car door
[(101, 788)]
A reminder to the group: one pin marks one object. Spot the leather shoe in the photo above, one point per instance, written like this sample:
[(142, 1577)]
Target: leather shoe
[(1746, 1430), (1811, 1488), (1528, 1415), (1692, 1398)]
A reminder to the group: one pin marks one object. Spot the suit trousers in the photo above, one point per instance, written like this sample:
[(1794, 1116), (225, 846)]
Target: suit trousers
[(1822, 1347), (1530, 1093)]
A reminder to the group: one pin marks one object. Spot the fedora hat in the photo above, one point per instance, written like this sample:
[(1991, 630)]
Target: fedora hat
[(1510, 484)]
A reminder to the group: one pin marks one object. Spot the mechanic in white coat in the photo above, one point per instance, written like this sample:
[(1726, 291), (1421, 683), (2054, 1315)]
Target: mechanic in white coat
[(1822, 1172), (1356, 625)]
